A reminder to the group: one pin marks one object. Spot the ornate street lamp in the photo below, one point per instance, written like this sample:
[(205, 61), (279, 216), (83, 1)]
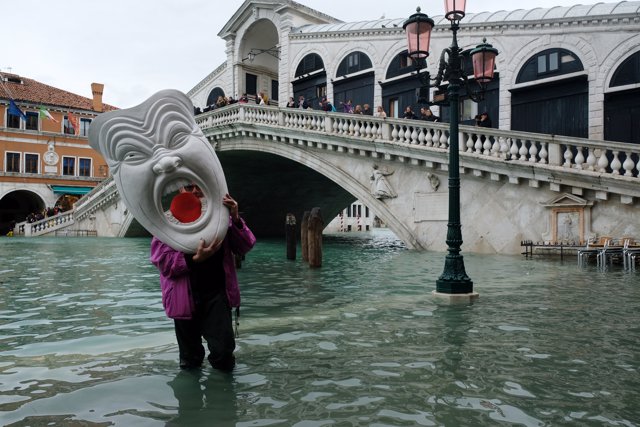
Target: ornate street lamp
[(454, 279)]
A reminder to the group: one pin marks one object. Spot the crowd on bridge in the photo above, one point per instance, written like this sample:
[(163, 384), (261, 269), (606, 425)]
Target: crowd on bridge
[(345, 107), (222, 101), (425, 114), (44, 213)]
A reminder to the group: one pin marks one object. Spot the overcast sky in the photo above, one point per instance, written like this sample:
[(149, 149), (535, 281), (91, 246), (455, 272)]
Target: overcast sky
[(138, 47)]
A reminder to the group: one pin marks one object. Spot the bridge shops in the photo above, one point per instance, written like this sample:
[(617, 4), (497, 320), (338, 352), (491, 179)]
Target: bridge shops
[(570, 71), (515, 185), (561, 144)]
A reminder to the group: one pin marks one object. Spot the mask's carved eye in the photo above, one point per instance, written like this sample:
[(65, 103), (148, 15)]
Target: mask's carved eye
[(134, 156), (132, 152), (178, 139), (178, 134)]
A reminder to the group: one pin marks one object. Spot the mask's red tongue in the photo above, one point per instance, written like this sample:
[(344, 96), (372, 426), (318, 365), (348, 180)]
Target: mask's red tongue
[(186, 207)]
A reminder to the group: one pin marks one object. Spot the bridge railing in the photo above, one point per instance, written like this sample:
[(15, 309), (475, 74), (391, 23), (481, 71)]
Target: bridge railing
[(45, 225), (101, 195), (577, 154)]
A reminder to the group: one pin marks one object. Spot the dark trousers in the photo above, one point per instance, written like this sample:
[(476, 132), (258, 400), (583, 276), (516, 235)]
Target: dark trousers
[(211, 321)]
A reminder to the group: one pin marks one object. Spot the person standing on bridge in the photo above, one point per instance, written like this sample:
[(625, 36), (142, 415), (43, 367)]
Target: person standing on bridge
[(199, 290), (302, 103), (380, 112), (484, 121)]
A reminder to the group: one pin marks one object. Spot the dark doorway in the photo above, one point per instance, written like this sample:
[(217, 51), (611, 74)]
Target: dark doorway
[(557, 108), (622, 108), (359, 89), (490, 103), (622, 116), (313, 88), (274, 90), (399, 94), (310, 80), (251, 84)]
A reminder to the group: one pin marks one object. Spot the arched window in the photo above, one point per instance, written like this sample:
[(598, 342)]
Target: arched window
[(309, 64), (354, 62), (549, 63), (213, 95), (403, 64), (628, 72)]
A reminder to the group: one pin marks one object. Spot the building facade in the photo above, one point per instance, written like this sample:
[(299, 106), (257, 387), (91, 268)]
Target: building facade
[(572, 71), (46, 161), (355, 217)]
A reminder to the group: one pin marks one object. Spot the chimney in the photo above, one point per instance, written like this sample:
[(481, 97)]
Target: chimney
[(96, 90)]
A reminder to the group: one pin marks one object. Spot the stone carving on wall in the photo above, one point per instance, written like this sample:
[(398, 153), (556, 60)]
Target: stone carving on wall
[(153, 150), (434, 181), (51, 157), (569, 220), (380, 187)]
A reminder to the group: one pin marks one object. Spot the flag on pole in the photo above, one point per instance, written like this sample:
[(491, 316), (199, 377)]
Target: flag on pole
[(73, 122), (44, 114), (13, 109)]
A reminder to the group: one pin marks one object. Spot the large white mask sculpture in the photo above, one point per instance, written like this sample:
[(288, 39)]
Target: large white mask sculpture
[(153, 150)]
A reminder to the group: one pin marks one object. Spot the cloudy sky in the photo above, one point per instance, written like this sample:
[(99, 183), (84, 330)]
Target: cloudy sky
[(137, 47)]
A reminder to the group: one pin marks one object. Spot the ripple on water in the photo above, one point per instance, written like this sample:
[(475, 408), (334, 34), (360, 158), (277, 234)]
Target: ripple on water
[(357, 342)]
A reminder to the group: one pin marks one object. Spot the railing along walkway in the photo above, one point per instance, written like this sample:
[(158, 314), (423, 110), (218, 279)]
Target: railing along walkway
[(45, 225), (102, 195), (603, 166)]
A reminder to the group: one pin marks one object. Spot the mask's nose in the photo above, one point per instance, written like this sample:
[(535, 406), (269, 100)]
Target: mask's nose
[(167, 164)]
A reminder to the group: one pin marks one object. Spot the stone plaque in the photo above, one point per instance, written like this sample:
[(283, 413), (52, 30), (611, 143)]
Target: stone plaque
[(431, 207)]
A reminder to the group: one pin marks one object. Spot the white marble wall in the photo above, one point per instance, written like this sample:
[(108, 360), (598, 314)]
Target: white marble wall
[(600, 42)]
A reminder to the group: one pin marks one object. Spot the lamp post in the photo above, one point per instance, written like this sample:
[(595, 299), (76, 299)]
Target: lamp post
[(454, 279)]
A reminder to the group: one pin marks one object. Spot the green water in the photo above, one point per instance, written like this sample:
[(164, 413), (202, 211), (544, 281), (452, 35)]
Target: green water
[(359, 342)]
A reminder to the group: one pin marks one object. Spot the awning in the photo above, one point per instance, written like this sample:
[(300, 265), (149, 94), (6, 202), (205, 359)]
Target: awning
[(70, 189)]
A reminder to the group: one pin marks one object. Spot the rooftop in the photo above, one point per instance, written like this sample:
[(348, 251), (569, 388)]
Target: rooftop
[(518, 15), (23, 89)]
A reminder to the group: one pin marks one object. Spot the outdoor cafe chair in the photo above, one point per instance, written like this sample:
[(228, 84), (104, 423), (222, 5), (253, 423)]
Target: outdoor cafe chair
[(608, 253), (591, 249), (629, 253)]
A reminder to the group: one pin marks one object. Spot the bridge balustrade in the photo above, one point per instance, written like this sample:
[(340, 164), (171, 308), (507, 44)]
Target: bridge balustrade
[(577, 155), (99, 197), (45, 225)]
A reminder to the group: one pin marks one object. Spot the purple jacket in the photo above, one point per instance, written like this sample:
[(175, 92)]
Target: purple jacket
[(174, 271)]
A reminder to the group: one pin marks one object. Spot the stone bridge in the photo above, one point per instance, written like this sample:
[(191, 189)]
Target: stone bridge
[(514, 185)]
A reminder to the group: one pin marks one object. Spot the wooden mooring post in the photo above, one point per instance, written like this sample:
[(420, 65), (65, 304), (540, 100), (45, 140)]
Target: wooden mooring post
[(304, 226), (314, 238), (290, 233)]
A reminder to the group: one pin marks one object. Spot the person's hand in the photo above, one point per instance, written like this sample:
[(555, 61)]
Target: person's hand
[(205, 251), (230, 203)]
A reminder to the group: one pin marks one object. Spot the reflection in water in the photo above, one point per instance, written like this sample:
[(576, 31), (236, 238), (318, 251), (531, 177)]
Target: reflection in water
[(359, 342), (203, 396)]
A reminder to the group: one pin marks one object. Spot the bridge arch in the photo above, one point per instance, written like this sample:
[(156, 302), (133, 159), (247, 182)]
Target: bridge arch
[(347, 180), (15, 205), (258, 49)]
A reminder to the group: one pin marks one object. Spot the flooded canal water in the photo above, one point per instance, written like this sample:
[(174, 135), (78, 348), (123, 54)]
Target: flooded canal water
[(359, 342)]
